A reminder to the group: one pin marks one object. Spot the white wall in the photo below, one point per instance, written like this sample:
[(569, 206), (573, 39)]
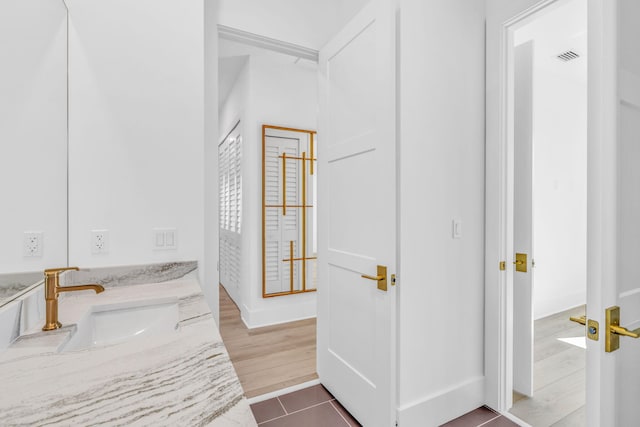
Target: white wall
[(560, 193), (560, 159), (136, 139), (441, 280), (33, 132), (279, 93)]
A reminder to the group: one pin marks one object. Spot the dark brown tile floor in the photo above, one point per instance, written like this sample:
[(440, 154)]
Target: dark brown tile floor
[(310, 407), (316, 407)]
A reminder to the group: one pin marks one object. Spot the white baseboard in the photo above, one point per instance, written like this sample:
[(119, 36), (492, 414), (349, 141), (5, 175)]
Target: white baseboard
[(443, 406), (558, 304), (258, 318)]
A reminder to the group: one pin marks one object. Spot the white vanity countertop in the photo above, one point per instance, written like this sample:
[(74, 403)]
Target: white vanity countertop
[(182, 378)]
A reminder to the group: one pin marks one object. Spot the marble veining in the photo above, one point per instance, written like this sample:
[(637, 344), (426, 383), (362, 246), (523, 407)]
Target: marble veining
[(130, 275), (179, 379), (14, 284)]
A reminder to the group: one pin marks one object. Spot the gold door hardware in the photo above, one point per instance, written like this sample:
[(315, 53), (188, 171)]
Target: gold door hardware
[(381, 278), (503, 265), (592, 326), (593, 330), (614, 330), (51, 290), (521, 263), (582, 319), (393, 280)]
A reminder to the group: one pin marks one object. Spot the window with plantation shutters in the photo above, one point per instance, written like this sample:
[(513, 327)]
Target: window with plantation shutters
[(289, 261), (230, 208)]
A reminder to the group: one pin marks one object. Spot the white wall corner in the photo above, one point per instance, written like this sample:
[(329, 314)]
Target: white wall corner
[(444, 405)]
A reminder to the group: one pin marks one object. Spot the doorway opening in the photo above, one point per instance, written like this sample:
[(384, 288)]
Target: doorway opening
[(548, 281), (267, 321)]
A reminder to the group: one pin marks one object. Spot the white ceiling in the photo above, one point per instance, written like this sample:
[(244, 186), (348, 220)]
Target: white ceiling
[(308, 23)]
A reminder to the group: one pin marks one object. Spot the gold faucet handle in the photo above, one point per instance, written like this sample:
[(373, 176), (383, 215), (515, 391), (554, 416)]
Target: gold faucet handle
[(57, 271)]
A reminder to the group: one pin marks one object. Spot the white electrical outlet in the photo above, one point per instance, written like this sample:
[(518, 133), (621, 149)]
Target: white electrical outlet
[(99, 241), (33, 243), (165, 239)]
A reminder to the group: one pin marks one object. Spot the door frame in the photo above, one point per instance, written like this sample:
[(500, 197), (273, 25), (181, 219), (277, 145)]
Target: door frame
[(499, 196)]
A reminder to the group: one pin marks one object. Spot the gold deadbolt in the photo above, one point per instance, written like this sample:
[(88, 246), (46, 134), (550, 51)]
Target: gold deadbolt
[(381, 278), (614, 330), (521, 263), (592, 326)]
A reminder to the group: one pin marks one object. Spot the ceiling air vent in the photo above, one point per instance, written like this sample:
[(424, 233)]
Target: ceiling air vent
[(568, 56)]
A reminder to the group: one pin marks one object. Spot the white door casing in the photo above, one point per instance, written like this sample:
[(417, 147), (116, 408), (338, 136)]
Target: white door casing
[(502, 18), (613, 380), (357, 215), (523, 221)]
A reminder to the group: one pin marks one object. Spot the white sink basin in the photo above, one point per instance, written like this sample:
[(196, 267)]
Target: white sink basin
[(116, 323)]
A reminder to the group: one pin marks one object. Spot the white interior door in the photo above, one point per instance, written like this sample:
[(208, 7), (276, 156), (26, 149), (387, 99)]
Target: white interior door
[(613, 378), (357, 215), (523, 223)]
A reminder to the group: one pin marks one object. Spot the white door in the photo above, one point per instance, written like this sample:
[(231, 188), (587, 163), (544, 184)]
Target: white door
[(613, 277), (357, 215), (522, 222)]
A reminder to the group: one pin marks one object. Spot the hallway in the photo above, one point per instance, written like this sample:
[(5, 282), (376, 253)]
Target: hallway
[(269, 358), (559, 374)]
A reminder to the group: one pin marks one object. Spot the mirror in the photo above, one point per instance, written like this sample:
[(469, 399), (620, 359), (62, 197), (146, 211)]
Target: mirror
[(33, 134)]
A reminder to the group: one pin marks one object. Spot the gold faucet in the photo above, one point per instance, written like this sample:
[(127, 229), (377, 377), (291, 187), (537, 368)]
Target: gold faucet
[(51, 290)]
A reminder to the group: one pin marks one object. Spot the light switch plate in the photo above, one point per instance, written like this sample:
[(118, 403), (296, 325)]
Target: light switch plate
[(456, 225)]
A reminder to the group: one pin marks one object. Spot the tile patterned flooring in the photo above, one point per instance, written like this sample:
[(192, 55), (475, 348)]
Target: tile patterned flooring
[(481, 417), (310, 407), (316, 407)]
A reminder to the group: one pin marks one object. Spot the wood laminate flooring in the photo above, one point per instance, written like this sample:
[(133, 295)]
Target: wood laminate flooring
[(269, 358), (559, 375)]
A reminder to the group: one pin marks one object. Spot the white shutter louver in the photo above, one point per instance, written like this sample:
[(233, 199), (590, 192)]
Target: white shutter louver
[(230, 209)]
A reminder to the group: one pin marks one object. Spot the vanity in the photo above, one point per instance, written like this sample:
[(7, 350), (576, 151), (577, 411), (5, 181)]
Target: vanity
[(142, 352)]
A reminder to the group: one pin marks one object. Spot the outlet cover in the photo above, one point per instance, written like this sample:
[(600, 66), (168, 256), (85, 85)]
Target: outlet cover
[(33, 241), (99, 241)]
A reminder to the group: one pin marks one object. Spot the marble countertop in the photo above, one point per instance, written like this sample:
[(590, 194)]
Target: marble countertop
[(182, 378)]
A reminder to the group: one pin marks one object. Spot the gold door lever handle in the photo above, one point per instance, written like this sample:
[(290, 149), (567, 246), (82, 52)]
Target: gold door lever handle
[(381, 278), (582, 319), (366, 276), (614, 331), (519, 262), (625, 332)]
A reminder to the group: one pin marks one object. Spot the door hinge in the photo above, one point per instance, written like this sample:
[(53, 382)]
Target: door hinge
[(503, 265)]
